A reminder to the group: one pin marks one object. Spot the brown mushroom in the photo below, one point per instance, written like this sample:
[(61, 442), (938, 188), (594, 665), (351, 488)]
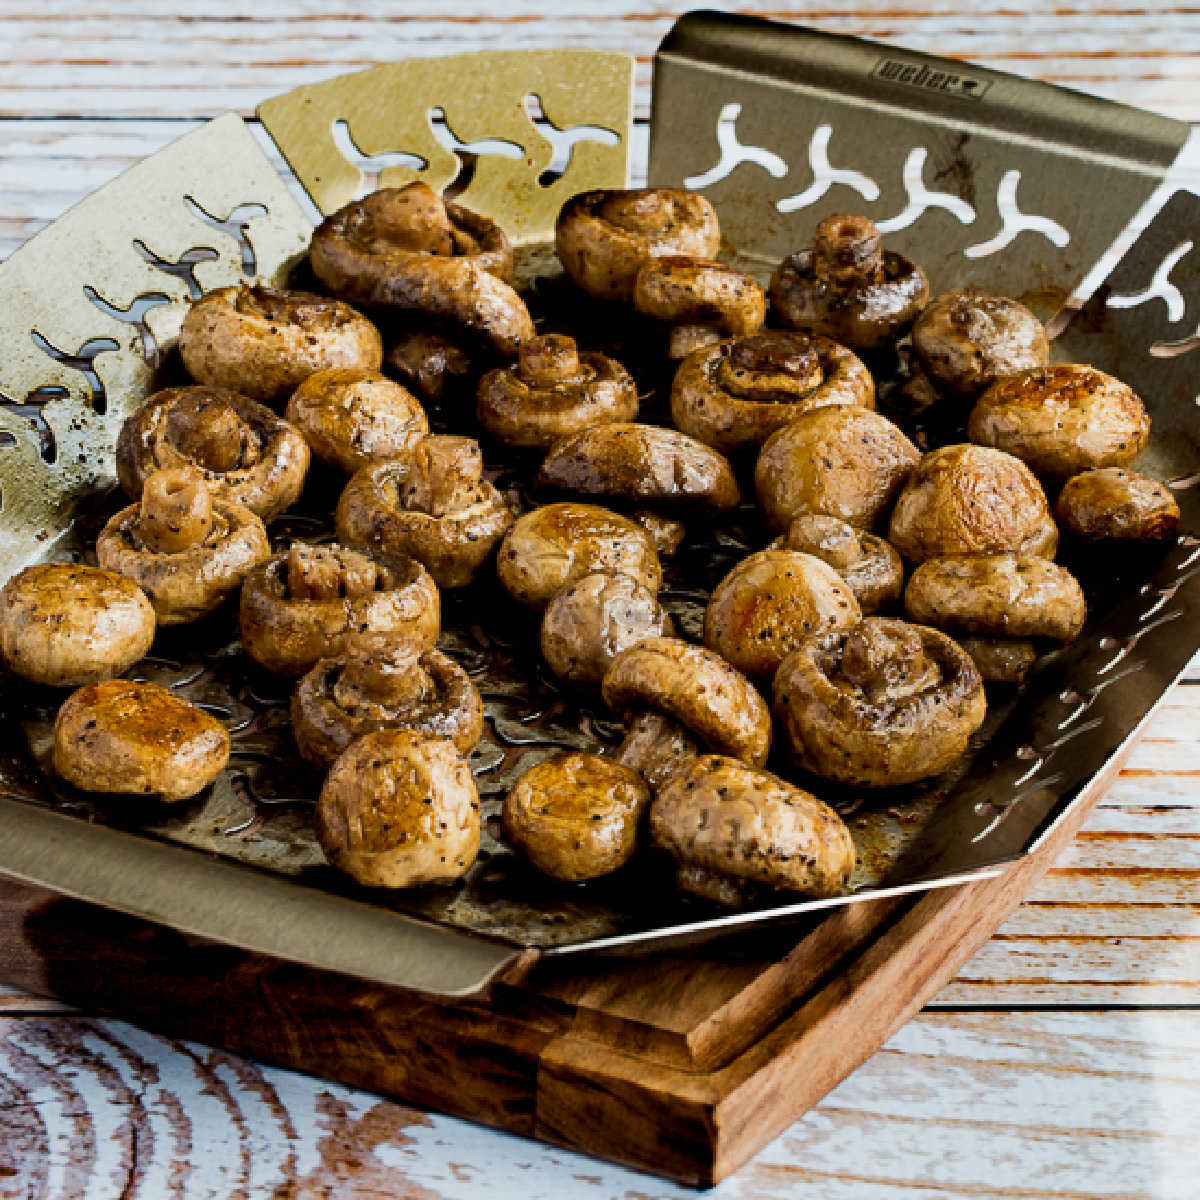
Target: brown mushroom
[(355, 418), (604, 237), (848, 287), (680, 699), (666, 533), (769, 603), (430, 361), (1062, 419), (588, 623), (553, 546), (870, 566), (409, 249), (575, 816), (1112, 504), (553, 390), (434, 506), (305, 602), (264, 343), (137, 738), (702, 300), (966, 499), (966, 340), (737, 393), (186, 549), (882, 704), (66, 624), (843, 461), (400, 809), (245, 453), (736, 830), (1000, 660), (382, 681)]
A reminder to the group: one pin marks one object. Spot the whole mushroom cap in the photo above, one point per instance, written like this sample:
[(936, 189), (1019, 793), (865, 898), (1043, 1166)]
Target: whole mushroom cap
[(137, 738), (870, 566), (66, 624), (1112, 504), (400, 809)]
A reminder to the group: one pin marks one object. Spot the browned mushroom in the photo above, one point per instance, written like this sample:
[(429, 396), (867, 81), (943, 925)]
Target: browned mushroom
[(1062, 419), (1000, 660), (680, 699), (848, 287), (263, 343), (739, 392), (66, 624), (575, 816), (882, 704), (604, 237), (434, 506), (303, 604), (1111, 504), (356, 418), (769, 603), (971, 500), (400, 809), (186, 549), (553, 546), (409, 249), (245, 453), (137, 738), (383, 681), (553, 390), (736, 830), (665, 532), (843, 461), (430, 361)]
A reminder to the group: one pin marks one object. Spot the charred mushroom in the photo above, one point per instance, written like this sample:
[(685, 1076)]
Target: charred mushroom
[(1111, 504), (65, 624)]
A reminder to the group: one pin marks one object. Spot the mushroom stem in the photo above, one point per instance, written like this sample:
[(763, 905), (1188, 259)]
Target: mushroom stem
[(443, 475), (766, 364), (656, 747), (847, 249), (175, 512), (315, 573), (882, 660), (547, 360), (412, 218), (212, 435), (382, 671)]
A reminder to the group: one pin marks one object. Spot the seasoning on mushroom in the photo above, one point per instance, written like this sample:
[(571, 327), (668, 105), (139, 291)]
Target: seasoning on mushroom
[(400, 809), (575, 816), (680, 700), (353, 418), (1112, 504), (137, 738), (848, 287), (769, 603), (303, 604), (264, 343), (434, 506), (882, 704), (383, 681), (737, 393), (185, 548), (604, 237), (245, 453), (554, 390), (736, 831), (66, 624)]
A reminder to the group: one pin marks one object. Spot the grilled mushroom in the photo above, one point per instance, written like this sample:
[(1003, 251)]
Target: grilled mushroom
[(882, 704), (739, 392), (553, 546), (1111, 504), (355, 418), (870, 566), (409, 249), (186, 549), (305, 602), (264, 343), (665, 532), (431, 361), (575, 816), (434, 506), (769, 603), (65, 624), (384, 682), (604, 237), (552, 391), (1062, 419), (843, 461), (848, 287), (245, 453), (137, 738), (400, 809), (1000, 660), (679, 699), (736, 830)]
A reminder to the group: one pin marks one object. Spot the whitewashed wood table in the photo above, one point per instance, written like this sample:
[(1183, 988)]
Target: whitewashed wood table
[(1064, 1061)]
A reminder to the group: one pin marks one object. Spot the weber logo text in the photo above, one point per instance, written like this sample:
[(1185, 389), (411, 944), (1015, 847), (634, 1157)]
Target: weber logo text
[(919, 75)]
